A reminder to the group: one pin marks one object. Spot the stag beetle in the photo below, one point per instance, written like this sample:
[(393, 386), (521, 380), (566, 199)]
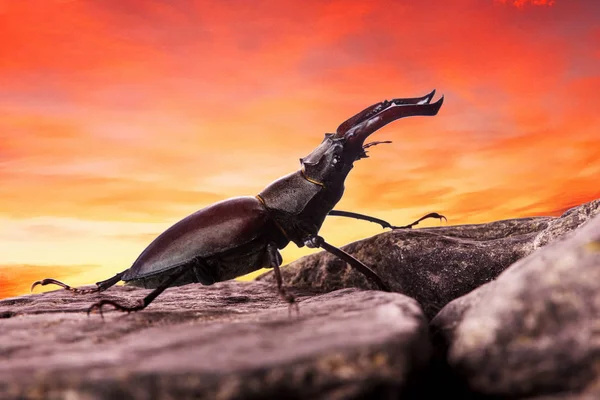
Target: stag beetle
[(242, 234)]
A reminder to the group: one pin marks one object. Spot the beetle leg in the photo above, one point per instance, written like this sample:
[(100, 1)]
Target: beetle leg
[(315, 241), (430, 215), (100, 286), (384, 224), (340, 213), (142, 303), (273, 260), (98, 306)]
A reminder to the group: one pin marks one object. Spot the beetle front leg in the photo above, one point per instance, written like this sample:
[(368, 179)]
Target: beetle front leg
[(384, 224), (273, 260), (430, 215), (315, 241)]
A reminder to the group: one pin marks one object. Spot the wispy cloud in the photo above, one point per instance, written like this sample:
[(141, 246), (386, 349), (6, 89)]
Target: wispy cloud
[(522, 3)]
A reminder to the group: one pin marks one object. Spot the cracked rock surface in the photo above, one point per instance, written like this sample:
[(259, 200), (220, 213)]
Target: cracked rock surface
[(230, 340), (535, 331), (435, 265)]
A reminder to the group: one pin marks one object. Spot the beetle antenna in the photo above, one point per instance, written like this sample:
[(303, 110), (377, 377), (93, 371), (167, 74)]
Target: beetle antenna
[(366, 146)]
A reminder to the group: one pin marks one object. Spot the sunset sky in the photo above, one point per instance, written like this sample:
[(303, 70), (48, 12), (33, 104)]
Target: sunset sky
[(120, 117)]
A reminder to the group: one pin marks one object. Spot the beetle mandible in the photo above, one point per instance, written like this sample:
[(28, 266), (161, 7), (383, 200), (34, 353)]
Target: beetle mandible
[(237, 236)]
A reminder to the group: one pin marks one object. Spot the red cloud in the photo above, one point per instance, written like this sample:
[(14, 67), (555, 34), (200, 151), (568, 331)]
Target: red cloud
[(522, 3)]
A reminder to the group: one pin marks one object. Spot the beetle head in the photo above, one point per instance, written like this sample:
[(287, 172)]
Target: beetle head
[(339, 150), (326, 161)]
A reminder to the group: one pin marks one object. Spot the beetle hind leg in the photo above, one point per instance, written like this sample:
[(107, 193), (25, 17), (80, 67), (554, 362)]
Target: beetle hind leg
[(100, 286), (143, 303)]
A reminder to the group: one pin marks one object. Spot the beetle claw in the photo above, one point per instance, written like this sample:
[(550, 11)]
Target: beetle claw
[(293, 305), (291, 300), (34, 284), (436, 215), (51, 281), (116, 305), (93, 307), (430, 215)]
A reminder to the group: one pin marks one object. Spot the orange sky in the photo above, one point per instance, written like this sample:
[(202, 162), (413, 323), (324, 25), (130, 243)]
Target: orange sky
[(120, 117)]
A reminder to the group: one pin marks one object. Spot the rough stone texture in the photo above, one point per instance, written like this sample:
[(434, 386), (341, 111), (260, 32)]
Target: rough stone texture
[(230, 340), (435, 265), (535, 330), (569, 221)]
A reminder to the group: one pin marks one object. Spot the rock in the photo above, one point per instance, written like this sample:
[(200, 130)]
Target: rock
[(230, 340), (435, 265), (535, 331), (569, 221)]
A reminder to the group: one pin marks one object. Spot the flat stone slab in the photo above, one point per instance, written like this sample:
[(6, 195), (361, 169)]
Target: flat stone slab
[(230, 340)]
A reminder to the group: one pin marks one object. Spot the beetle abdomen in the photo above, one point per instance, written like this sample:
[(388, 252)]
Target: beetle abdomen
[(209, 231), (236, 262), (193, 274)]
